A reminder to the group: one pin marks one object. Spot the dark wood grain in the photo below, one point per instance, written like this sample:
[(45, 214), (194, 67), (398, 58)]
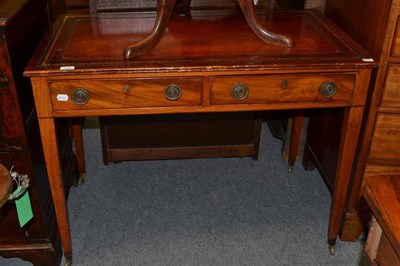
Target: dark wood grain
[(384, 141), (391, 92), (350, 16)]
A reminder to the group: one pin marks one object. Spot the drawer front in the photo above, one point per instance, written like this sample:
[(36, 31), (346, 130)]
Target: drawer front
[(385, 143), (391, 91), (281, 88), (396, 41), (107, 94)]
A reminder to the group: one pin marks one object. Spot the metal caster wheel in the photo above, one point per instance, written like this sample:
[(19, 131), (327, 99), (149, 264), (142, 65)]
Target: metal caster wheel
[(332, 250), (80, 180), (290, 169), (68, 263)]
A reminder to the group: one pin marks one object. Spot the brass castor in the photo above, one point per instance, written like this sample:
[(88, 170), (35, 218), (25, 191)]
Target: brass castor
[(68, 263), (290, 169), (80, 180), (332, 250)]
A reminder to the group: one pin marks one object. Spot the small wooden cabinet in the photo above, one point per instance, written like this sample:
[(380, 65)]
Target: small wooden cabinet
[(22, 25)]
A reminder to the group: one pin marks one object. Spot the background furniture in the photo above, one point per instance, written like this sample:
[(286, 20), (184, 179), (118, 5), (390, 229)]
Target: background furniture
[(22, 25), (180, 136), (383, 196), (378, 151)]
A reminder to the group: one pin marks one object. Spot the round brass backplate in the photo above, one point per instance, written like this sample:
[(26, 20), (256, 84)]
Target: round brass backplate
[(172, 92), (328, 89), (80, 96), (239, 91)]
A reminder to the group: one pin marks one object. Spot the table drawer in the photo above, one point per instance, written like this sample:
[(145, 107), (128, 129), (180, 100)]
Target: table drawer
[(391, 91), (385, 143), (396, 41), (85, 95), (282, 88)]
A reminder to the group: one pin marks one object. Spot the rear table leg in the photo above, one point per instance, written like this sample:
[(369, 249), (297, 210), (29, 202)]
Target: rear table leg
[(297, 125)]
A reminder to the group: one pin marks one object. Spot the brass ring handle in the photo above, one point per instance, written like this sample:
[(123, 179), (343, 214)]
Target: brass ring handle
[(239, 91), (80, 96), (328, 89), (172, 92)]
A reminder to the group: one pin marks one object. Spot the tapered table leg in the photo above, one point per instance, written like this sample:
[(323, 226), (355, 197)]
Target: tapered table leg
[(297, 125), (54, 170), (75, 125), (348, 144)]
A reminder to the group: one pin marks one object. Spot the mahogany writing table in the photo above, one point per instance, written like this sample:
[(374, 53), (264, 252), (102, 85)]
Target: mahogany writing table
[(208, 62)]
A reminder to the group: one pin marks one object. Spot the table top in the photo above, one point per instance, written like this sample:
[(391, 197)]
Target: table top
[(203, 42)]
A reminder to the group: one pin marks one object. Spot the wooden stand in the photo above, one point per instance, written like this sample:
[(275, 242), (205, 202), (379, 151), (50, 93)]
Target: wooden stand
[(165, 9)]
